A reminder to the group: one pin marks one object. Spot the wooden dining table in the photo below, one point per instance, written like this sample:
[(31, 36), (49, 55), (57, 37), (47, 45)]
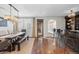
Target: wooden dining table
[(12, 35), (11, 38)]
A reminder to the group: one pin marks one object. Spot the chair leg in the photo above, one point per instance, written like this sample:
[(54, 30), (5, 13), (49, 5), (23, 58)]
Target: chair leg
[(27, 37)]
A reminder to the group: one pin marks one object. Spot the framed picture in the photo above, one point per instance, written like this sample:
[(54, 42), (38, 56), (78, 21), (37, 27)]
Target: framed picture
[(3, 22)]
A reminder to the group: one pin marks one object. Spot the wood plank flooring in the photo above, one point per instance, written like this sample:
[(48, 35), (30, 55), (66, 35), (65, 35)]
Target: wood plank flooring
[(41, 46), (46, 46)]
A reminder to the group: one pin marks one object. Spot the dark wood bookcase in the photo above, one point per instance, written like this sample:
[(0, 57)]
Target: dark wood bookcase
[(77, 21), (72, 37), (73, 22), (67, 21)]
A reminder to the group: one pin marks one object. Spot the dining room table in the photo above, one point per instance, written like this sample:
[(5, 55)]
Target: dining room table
[(12, 38)]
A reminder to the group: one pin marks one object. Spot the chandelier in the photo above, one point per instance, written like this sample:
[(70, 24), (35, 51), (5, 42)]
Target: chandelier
[(12, 17)]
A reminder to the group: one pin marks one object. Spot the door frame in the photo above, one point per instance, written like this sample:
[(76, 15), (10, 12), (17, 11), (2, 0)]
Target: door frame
[(41, 20)]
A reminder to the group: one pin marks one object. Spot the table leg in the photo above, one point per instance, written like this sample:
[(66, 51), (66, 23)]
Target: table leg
[(18, 46), (9, 48), (13, 47)]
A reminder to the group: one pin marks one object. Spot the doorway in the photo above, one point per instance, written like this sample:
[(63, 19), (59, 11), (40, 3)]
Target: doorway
[(51, 27), (40, 28)]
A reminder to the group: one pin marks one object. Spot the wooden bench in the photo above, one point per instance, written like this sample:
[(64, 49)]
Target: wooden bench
[(20, 41)]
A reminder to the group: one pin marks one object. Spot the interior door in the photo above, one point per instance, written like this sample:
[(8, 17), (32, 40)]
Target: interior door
[(40, 28)]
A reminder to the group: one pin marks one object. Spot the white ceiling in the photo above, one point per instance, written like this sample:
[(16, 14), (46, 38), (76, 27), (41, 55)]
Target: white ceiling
[(44, 9), (5, 10), (33, 10)]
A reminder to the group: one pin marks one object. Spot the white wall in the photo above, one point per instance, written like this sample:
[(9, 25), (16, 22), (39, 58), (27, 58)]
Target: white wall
[(59, 20), (23, 23), (26, 23)]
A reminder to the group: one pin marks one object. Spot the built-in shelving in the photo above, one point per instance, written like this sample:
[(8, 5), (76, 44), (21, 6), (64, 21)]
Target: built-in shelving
[(77, 21), (70, 23), (72, 28)]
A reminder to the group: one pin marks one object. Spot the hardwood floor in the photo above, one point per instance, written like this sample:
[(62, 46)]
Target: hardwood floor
[(41, 46), (26, 48), (46, 46)]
